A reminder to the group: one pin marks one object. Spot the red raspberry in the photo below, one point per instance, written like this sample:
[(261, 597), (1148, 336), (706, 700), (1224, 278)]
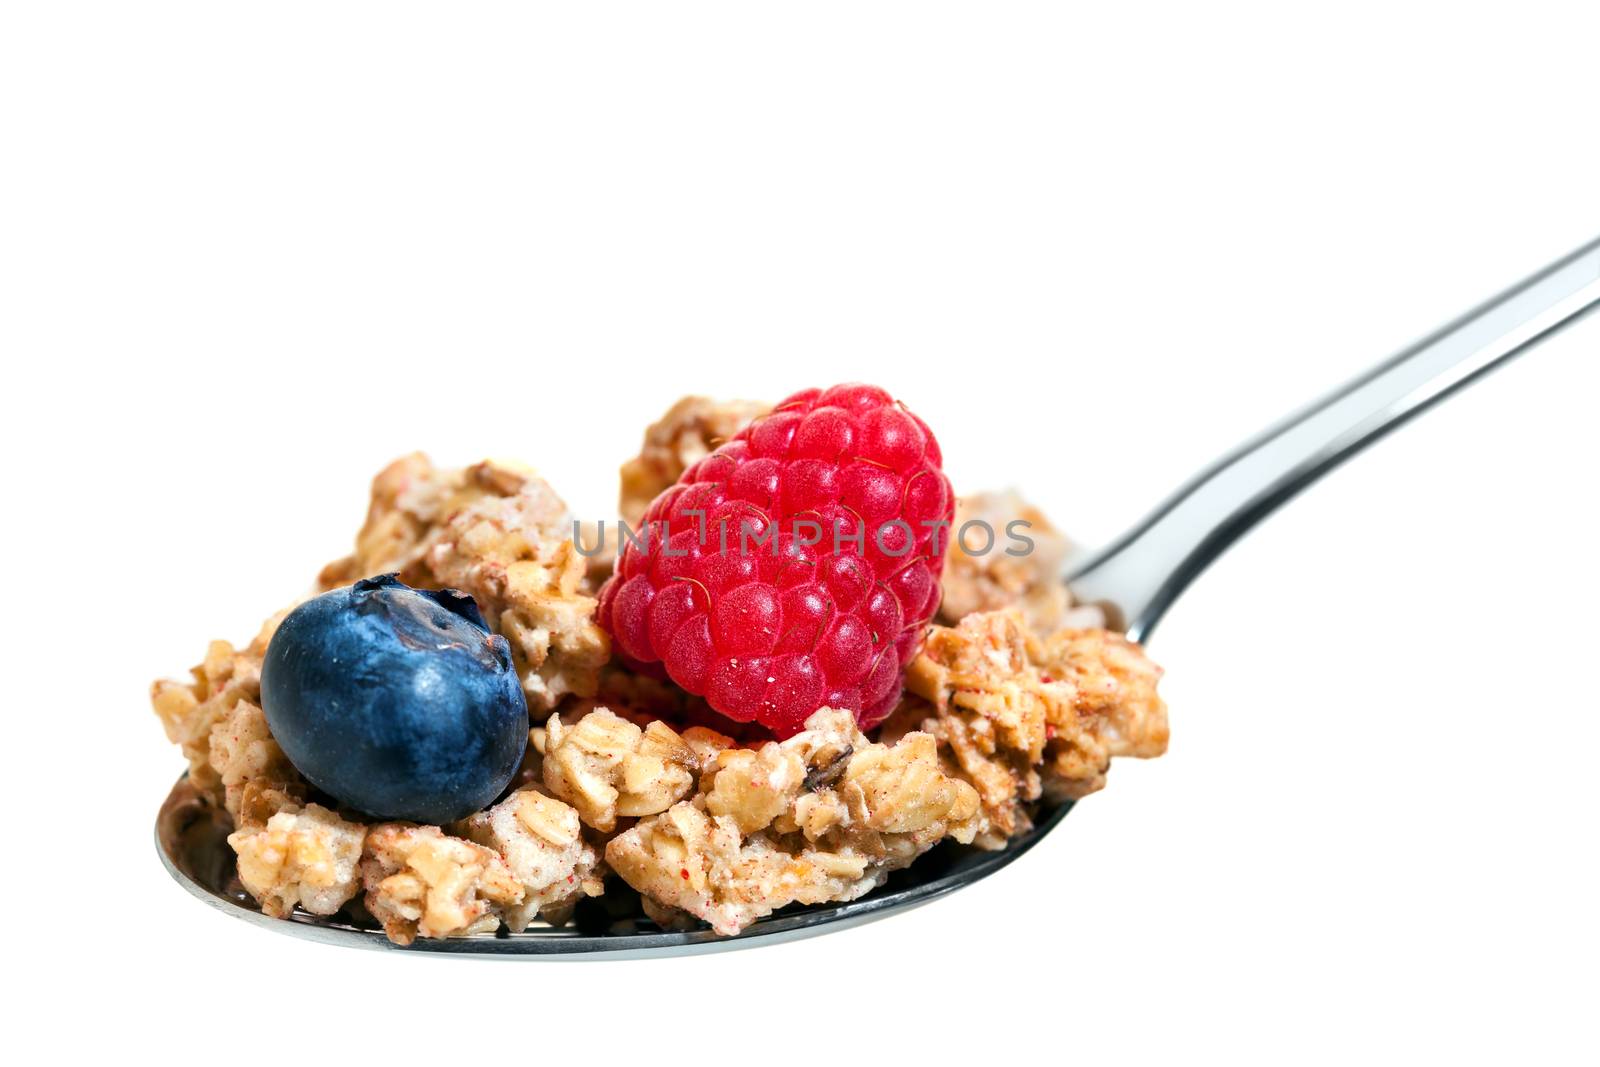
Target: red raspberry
[(726, 594)]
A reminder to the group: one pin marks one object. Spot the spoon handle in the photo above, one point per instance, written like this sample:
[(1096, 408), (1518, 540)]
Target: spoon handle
[(1139, 576)]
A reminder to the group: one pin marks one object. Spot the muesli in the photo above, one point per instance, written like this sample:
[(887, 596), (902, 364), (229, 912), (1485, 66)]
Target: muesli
[(787, 677)]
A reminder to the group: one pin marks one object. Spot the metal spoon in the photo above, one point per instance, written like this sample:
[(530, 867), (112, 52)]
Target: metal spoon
[(1135, 580), (1141, 573)]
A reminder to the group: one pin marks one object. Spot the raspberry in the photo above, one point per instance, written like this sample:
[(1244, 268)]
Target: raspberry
[(794, 568)]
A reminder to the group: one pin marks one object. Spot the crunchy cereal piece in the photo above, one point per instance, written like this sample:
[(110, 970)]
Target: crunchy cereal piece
[(990, 578), (531, 595), (413, 502), (890, 801), (1115, 681), (754, 786), (300, 856), (1019, 717), (605, 766), (1006, 780), (687, 860), (689, 431), (257, 778), (499, 533), (852, 811), (1117, 703), (420, 882), (706, 743), (900, 789), (190, 711), (990, 725), (541, 840)]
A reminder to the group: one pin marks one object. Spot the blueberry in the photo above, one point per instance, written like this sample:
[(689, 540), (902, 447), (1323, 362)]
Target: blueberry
[(395, 701)]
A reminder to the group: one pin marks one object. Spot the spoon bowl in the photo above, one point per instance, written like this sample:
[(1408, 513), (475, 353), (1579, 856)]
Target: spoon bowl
[(1134, 580), (191, 838)]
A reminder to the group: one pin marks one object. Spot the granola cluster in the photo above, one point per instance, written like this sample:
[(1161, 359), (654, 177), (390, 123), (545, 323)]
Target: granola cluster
[(1023, 717), (823, 816), (499, 533), (419, 881), (190, 711), (300, 857), (291, 854), (541, 840), (257, 779), (521, 858), (606, 767), (1022, 698)]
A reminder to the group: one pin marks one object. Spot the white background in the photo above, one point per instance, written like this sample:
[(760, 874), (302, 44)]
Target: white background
[(251, 253)]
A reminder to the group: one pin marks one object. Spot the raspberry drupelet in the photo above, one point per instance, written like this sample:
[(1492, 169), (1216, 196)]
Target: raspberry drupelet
[(794, 568)]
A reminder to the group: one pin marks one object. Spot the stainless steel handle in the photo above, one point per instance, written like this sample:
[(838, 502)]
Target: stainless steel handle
[(1139, 575)]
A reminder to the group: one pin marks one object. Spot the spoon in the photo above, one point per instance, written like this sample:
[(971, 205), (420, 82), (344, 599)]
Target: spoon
[(1138, 576), (1134, 581)]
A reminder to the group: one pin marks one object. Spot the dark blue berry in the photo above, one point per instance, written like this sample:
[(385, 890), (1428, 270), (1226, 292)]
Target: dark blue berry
[(395, 701)]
